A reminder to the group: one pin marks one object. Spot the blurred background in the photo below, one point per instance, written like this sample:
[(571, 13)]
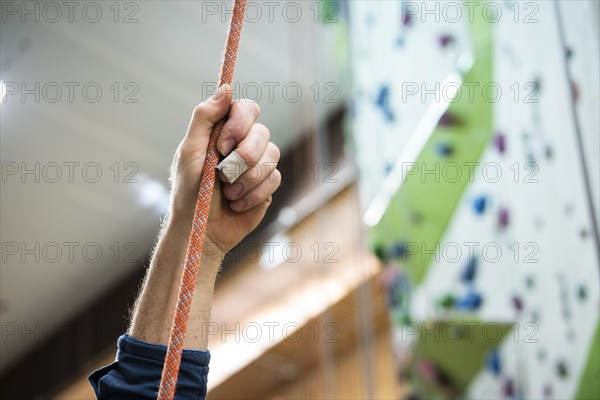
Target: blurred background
[(435, 234)]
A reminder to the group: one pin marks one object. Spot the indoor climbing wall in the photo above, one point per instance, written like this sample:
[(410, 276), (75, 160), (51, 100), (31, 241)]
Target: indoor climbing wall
[(492, 252)]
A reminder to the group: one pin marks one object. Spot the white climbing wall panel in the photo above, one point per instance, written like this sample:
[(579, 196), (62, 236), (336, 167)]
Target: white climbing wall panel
[(530, 215)]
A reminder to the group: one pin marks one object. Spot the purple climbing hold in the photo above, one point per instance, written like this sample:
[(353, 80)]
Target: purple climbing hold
[(479, 204), (406, 17), (548, 392), (500, 143), (445, 40), (448, 119), (508, 388), (470, 271), (503, 218), (517, 303), (493, 362)]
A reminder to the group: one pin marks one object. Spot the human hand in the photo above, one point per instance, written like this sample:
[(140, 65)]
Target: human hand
[(236, 208)]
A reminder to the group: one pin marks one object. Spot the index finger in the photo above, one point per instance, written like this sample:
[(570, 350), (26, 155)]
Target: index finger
[(242, 115)]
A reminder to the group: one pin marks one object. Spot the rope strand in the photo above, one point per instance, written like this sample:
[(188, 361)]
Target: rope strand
[(170, 371)]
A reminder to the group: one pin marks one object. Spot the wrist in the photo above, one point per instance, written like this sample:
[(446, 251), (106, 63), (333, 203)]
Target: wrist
[(178, 229)]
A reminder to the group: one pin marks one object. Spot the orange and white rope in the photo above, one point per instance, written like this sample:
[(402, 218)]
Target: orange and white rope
[(168, 381)]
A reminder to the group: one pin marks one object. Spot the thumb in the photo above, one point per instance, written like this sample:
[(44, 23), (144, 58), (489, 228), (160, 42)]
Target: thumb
[(210, 111)]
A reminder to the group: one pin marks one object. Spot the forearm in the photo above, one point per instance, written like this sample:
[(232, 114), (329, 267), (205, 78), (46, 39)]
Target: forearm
[(155, 306)]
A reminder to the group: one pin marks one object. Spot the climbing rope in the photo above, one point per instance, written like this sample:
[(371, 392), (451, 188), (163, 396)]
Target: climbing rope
[(168, 380)]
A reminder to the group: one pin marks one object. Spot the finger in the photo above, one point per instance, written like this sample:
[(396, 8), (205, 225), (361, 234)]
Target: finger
[(209, 112), (255, 175), (259, 194), (246, 155), (242, 115)]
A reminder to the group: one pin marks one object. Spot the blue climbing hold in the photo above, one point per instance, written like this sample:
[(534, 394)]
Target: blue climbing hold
[(444, 149), (383, 102), (471, 301), (479, 204), (493, 362), (398, 250), (470, 270)]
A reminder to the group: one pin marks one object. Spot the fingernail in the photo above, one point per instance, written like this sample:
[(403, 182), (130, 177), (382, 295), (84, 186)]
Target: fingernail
[(228, 146), (239, 205), (236, 190)]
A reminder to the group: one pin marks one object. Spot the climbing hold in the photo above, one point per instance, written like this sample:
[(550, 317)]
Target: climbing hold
[(541, 354), (380, 252), (406, 17), (445, 40), (583, 233), (493, 363), (529, 282), (470, 301), (416, 217), (575, 91), (479, 204), (548, 391), (500, 143), (569, 209), (568, 52), (539, 222), (549, 152), (508, 388), (582, 292), (427, 370), (517, 303), (447, 301), (398, 250), (470, 270), (383, 102), (448, 119), (389, 166), (444, 149), (503, 218), (562, 370)]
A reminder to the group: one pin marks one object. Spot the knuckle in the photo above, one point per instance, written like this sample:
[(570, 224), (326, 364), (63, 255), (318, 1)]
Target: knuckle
[(233, 128), (277, 176), (273, 150), (253, 106), (264, 131), (200, 110), (248, 154)]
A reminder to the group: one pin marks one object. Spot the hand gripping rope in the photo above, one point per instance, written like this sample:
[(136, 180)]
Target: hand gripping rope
[(170, 371)]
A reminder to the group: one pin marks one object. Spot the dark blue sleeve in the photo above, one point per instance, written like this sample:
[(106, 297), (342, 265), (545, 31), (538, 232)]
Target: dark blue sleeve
[(136, 372)]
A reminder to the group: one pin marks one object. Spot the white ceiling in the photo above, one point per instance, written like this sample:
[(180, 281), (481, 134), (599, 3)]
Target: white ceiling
[(169, 55)]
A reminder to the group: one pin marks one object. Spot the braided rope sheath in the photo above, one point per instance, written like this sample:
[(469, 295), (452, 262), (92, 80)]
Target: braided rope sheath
[(170, 371)]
